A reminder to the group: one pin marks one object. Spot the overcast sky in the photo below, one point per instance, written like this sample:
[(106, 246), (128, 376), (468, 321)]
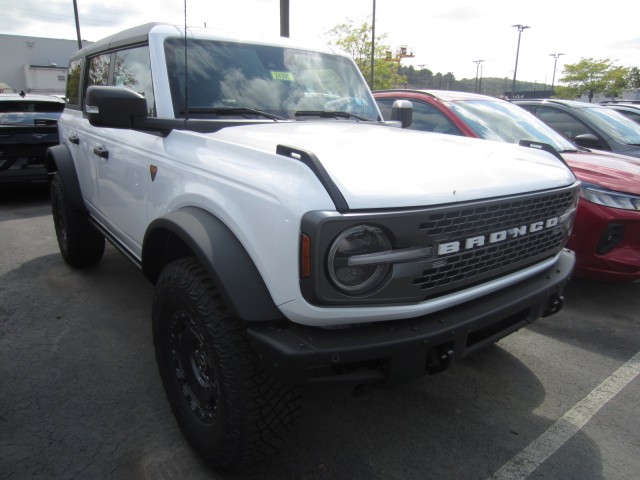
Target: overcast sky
[(445, 36)]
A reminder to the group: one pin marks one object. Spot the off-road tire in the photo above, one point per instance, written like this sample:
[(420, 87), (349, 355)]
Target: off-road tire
[(229, 409), (81, 245)]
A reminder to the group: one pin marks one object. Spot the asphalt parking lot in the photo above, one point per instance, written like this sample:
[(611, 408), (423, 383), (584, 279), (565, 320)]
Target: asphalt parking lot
[(80, 396)]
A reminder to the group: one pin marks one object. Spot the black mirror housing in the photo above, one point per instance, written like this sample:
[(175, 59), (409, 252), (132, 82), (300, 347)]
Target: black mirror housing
[(402, 111), (588, 140), (114, 107)]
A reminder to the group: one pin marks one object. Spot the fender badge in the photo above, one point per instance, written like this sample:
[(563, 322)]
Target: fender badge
[(153, 170)]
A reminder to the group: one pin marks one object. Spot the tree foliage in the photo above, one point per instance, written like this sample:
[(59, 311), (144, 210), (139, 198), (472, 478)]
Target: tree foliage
[(590, 77), (634, 78), (356, 41)]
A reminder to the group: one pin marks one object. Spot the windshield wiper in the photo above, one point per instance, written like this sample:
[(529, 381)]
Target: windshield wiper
[(45, 121), (36, 121), (573, 150), (329, 114), (242, 111)]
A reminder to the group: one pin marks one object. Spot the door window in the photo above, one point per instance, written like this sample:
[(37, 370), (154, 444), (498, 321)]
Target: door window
[(562, 122), (99, 70), (132, 70)]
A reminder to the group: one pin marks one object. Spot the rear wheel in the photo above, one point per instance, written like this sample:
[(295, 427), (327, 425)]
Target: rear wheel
[(81, 245), (228, 408)]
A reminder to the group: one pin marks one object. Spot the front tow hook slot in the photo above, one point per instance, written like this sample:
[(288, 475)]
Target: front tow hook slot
[(439, 359), (555, 305)]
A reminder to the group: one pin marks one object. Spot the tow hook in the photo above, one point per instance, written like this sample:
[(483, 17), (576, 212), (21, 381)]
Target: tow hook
[(555, 305), (440, 359)]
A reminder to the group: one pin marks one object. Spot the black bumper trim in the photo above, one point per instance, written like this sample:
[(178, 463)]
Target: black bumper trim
[(404, 349)]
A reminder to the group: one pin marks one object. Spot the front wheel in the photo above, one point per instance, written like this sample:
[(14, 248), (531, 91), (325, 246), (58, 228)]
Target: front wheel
[(228, 408), (81, 245)]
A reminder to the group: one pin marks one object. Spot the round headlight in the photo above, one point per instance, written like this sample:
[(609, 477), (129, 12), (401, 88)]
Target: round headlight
[(356, 277)]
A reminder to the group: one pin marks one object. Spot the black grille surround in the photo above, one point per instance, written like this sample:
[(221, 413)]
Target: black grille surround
[(491, 239)]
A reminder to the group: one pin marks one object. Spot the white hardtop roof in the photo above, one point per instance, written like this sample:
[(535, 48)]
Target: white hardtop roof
[(142, 34)]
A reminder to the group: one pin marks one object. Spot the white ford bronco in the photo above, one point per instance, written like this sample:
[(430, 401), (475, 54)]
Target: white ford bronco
[(291, 235)]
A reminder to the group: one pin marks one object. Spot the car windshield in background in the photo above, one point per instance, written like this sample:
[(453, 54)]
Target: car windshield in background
[(29, 112), (505, 122), (226, 77), (614, 124)]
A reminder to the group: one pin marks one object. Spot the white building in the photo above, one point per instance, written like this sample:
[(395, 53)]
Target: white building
[(35, 64)]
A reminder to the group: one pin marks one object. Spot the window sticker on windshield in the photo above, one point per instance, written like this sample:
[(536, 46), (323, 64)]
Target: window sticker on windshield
[(287, 76)]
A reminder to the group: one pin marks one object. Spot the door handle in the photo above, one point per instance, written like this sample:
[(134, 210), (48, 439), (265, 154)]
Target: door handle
[(74, 139), (100, 151)]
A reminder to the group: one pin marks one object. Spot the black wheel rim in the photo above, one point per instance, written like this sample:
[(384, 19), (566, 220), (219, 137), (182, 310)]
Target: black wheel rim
[(191, 360)]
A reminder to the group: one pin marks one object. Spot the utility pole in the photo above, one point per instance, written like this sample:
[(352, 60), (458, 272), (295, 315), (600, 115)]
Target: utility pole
[(284, 18), (75, 11)]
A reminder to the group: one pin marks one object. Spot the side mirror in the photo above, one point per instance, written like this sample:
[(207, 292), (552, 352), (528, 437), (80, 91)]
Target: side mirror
[(114, 107), (402, 111), (589, 140)]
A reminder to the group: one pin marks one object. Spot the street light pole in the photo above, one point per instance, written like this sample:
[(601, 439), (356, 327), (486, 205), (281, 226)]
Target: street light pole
[(521, 28), (555, 62), (477, 62), (421, 74), (373, 42)]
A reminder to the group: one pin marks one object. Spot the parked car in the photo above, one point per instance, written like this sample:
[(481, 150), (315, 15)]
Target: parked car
[(629, 110), (587, 124), (606, 233), (28, 126)]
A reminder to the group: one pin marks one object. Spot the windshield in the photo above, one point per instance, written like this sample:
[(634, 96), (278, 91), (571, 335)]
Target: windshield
[(17, 112), (614, 124), (505, 122), (275, 80)]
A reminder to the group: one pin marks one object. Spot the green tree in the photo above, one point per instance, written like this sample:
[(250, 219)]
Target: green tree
[(356, 41), (416, 78), (634, 78), (590, 77), (617, 81)]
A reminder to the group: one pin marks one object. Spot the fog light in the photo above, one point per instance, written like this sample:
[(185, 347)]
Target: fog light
[(612, 236)]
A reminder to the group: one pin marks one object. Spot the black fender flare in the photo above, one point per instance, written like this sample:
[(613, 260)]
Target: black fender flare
[(59, 160), (221, 253)]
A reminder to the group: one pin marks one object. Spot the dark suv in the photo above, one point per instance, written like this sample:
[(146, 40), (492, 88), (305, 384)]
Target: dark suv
[(629, 109), (587, 124), (28, 126)]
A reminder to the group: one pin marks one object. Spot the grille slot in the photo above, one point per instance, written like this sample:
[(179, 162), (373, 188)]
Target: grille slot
[(482, 219)]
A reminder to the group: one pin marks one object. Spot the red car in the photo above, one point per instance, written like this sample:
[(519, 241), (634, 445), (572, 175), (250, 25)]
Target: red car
[(606, 233)]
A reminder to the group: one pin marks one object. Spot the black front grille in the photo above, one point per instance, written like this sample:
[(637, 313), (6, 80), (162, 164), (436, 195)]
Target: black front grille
[(487, 248), (462, 269)]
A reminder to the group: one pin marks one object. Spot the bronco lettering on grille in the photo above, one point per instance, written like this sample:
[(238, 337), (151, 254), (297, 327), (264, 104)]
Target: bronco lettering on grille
[(497, 237)]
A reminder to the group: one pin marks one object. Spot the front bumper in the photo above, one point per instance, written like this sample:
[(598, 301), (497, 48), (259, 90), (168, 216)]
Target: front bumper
[(401, 350), (621, 263)]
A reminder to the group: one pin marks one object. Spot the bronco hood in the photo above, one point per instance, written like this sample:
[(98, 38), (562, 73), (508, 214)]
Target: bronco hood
[(377, 166)]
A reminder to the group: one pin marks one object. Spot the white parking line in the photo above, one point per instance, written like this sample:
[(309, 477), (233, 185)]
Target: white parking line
[(525, 462)]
